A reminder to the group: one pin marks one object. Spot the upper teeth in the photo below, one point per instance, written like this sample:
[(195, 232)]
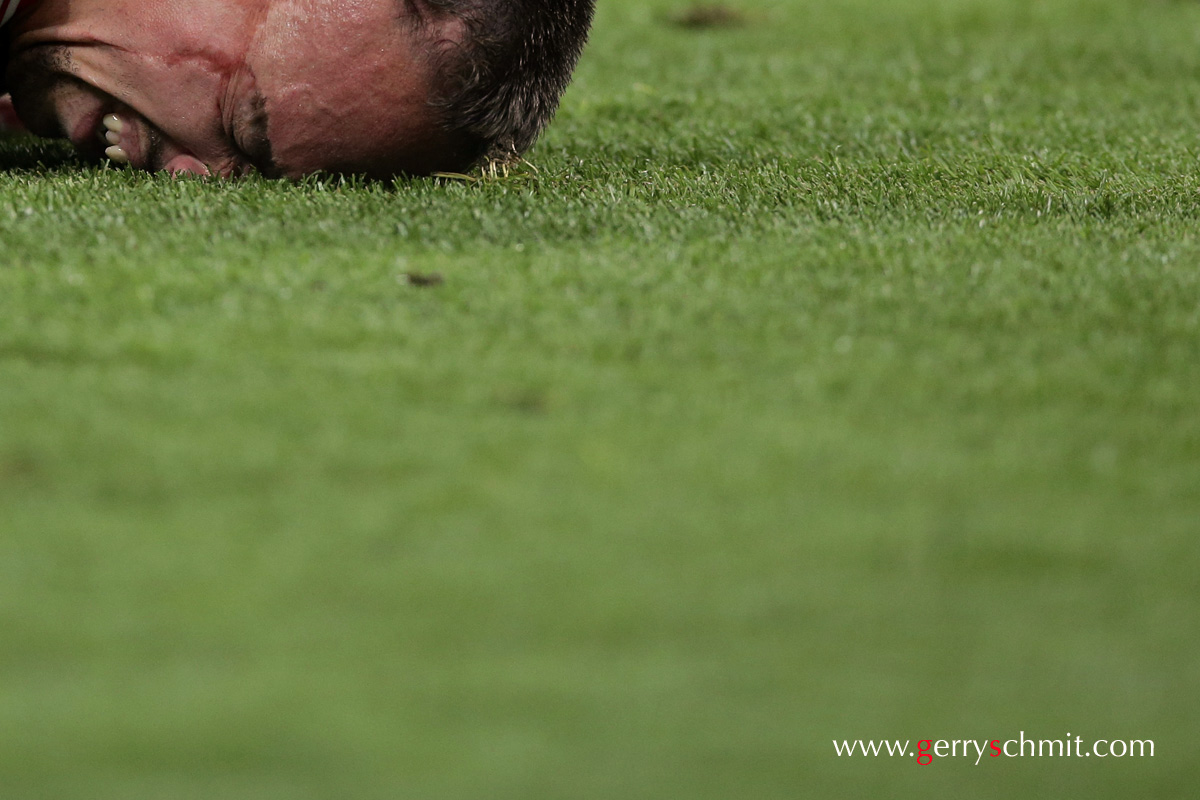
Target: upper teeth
[(113, 126)]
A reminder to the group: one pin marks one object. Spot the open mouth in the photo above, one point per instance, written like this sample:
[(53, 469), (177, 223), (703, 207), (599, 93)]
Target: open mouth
[(126, 138), (111, 129), (54, 102)]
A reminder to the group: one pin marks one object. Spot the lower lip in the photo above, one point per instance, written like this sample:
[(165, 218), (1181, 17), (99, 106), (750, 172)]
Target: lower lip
[(86, 136)]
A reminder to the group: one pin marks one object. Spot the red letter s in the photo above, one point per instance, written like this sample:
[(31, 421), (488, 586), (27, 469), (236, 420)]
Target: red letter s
[(995, 748)]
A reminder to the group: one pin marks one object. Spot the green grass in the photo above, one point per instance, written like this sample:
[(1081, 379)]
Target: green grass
[(834, 376)]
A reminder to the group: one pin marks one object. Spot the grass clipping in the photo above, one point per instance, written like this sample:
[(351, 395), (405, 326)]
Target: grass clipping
[(704, 16)]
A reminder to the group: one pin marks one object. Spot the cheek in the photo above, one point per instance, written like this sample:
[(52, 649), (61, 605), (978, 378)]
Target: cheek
[(187, 96), (178, 95), (170, 81), (172, 61)]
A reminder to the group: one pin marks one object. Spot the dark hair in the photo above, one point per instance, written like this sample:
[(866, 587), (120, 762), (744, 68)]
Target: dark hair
[(498, 88)]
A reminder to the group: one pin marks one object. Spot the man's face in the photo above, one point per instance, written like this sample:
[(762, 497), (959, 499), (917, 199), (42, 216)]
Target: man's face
[(221, 87)]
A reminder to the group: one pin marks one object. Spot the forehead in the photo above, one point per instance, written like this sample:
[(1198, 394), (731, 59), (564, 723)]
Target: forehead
[(345, 86)]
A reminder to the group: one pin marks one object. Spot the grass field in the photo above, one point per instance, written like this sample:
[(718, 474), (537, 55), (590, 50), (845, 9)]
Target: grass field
[(832, 376)]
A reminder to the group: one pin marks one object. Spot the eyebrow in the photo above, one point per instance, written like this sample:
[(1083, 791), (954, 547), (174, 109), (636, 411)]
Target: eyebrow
[(255, 141)]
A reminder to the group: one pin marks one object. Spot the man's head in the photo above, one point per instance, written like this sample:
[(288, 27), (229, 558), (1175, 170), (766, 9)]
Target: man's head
[(498, 86), (288, 87)]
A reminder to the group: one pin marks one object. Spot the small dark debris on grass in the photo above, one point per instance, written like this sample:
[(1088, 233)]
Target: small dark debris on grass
[(703, 16), (424, 280), (529, 401), (16, 467)]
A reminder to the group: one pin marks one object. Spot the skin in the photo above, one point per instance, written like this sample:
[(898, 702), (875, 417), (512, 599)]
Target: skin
[(223, 87)]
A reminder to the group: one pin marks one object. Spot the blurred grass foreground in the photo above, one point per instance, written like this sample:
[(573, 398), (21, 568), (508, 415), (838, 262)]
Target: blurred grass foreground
[(832, 373)]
